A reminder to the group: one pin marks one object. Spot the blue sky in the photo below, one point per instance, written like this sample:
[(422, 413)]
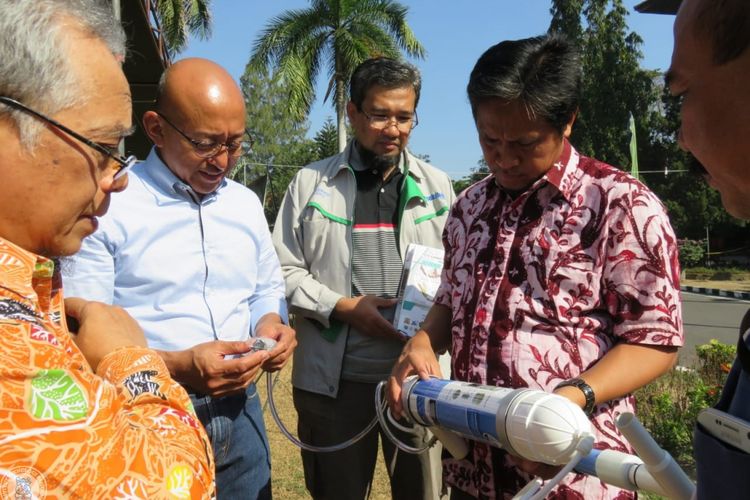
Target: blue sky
[(454, 38)]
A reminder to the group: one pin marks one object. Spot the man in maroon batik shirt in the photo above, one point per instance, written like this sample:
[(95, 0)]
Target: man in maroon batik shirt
[(561, 271)]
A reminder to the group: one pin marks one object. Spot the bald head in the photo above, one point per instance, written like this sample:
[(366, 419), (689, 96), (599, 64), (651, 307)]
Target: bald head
[(197, 83), (199, 123)]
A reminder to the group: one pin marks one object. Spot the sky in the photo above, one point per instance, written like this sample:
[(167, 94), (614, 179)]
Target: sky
[(453, 37)]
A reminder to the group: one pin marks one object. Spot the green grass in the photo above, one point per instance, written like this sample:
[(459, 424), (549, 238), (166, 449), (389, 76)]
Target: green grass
[(718, 274)]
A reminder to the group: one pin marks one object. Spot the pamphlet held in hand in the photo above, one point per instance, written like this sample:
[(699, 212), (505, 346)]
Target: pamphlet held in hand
[(420, 279)]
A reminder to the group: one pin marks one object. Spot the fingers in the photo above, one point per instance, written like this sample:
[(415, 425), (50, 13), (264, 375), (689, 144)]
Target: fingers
[(401, 370), (233, 346), (286, 341), (74, 306), (380, 326), (427, 370), (393, 393), (230, 376), (242, 365)]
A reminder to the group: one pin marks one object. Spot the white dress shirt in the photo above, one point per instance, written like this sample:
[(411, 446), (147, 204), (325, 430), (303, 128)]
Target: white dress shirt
[(189, 270)]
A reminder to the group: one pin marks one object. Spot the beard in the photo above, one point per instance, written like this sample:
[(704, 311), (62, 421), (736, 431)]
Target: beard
[(381, 163)]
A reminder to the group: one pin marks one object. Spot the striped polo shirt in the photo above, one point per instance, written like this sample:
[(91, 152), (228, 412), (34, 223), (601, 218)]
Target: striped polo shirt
[(376, 266)]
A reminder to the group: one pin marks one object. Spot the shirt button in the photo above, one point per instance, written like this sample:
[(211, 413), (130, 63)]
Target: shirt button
[(331, 389), (382, 190), (374, 172)]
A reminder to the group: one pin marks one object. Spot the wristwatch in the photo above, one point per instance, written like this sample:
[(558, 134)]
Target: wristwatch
[(587, 391)]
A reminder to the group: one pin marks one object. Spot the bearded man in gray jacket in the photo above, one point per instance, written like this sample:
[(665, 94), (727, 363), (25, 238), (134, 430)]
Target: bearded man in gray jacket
[(341, 235)]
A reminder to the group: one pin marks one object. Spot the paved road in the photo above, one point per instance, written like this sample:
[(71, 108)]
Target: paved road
[(707, 317)]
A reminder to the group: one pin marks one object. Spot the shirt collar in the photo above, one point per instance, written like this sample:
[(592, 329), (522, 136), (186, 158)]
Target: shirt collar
[(164, 179), (563, 170)]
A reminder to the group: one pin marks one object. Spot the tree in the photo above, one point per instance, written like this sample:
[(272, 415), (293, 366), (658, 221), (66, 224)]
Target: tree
[(614, 84), (277, 137), (326, 139), (477, 174), (692, 205), (178, 18), (280, 146), (691, 252), (337, 34)]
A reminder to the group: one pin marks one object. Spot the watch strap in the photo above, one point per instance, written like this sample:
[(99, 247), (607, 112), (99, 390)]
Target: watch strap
[(587, 391)]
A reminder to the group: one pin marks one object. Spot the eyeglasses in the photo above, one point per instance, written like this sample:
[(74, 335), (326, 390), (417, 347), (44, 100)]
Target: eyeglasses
[(124, 164), (206, 149), (381, 122)]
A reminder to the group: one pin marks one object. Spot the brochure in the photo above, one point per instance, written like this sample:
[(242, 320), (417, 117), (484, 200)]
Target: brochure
[(420, 279)]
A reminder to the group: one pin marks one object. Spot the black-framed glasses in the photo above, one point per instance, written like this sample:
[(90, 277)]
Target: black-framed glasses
[(381, 122), (210, 149), (125, 164)]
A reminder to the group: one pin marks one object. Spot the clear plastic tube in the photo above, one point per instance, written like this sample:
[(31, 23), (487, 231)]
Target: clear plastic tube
[(384, 410), (309, 447)]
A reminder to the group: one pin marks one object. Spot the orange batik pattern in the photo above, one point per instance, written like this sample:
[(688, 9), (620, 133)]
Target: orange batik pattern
[(128, 431)]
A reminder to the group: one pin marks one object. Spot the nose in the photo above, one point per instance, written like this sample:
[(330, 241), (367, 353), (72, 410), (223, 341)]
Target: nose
[(391, 128), (222, 159), (504, 157), (111, 185)]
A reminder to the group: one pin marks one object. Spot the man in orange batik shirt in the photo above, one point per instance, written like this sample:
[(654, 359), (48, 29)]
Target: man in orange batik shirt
[(95, 414)]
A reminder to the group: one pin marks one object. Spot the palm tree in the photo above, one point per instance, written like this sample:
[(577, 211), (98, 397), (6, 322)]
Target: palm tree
[(339, 34), (178, 18)]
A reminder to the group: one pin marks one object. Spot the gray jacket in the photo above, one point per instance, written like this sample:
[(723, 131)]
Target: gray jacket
[(313, 238)]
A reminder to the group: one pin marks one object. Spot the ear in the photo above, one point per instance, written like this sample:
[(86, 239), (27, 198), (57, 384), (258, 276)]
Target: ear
[(152, 126), (569, 126), (351, 109)]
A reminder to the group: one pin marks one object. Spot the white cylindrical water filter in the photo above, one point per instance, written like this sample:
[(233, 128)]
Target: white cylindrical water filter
[(545, 426), (464, 408), (532, 424)]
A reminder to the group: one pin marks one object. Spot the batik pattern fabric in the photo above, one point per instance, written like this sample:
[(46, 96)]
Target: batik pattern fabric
[(543, 285), (128, 431)]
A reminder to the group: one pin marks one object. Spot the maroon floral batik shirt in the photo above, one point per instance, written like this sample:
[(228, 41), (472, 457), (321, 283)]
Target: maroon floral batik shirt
[(542, 286)]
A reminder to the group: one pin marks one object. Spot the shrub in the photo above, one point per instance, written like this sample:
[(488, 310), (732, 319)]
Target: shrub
[(714, 361), (668, 407), (691, 252)]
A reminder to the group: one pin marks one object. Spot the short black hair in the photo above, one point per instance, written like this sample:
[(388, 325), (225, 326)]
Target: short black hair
[(542, 73), (726, 24), (383, 72)]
